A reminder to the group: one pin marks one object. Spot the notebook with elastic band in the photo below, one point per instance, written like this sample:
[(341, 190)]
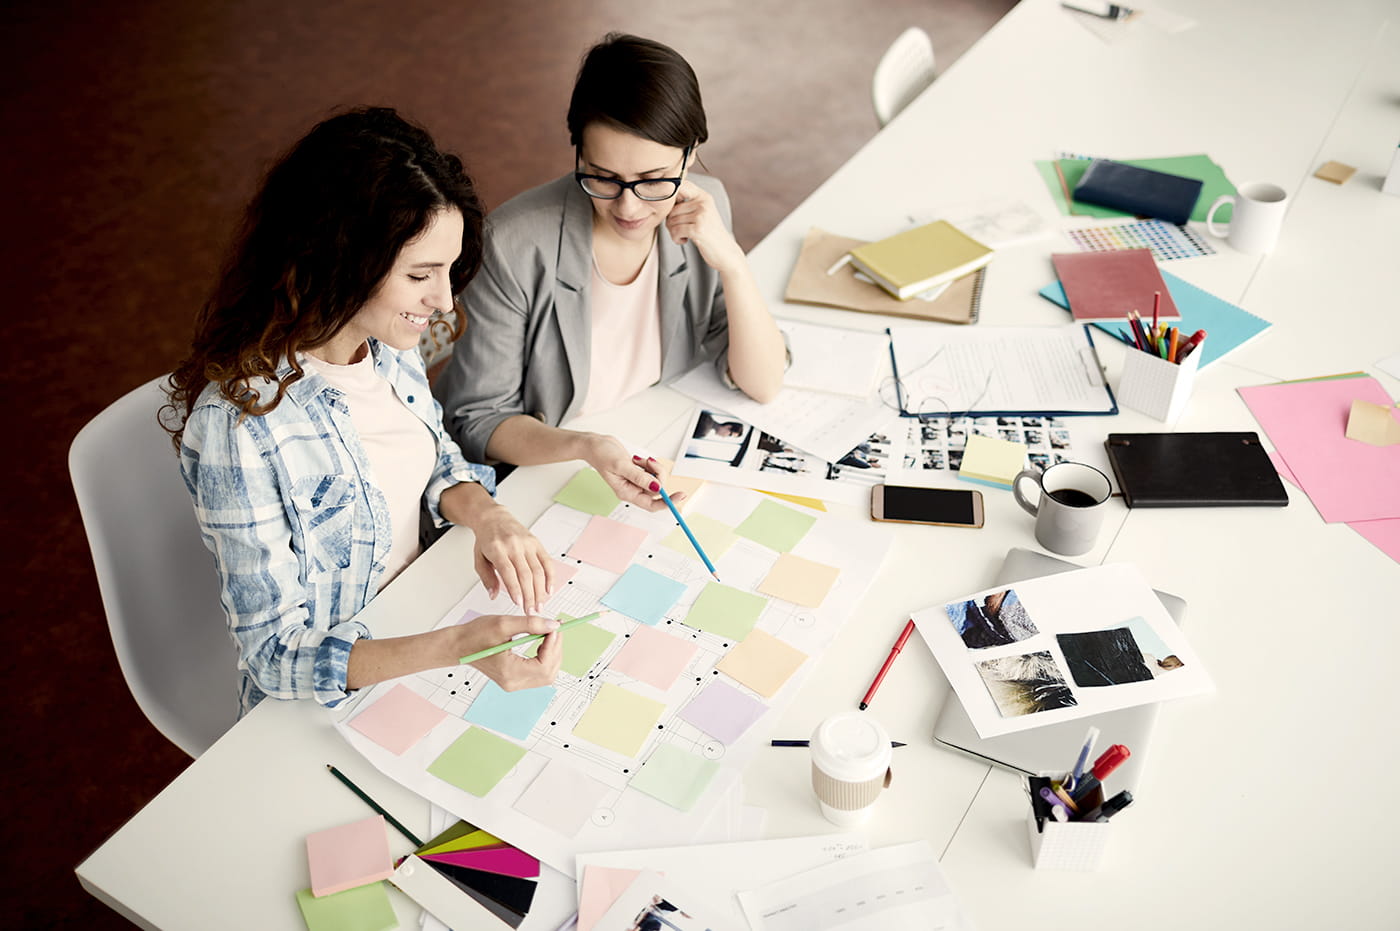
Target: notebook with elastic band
[(1182, 470)]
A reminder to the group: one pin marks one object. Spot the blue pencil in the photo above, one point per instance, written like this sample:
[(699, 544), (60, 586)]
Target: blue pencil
[(690, 536)]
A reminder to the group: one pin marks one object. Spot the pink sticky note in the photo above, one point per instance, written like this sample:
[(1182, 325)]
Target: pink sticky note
[(563, 571), (600, 888), (1385, 534), (654, 657), (607, 544), (351, 855), (398, 720), (1346, 480), (506, 861)]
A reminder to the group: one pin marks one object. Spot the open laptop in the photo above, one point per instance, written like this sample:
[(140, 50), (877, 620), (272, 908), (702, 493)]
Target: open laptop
[(1053, 748)]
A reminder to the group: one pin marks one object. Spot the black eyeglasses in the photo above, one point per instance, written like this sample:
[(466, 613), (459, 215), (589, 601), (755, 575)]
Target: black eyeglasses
[(602, 188)]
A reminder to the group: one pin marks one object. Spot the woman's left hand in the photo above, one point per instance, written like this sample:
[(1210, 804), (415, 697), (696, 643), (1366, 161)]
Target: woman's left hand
[(695, 219), (509, 556)]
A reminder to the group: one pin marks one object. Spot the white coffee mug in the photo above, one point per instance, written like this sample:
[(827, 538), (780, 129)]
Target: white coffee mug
[(1257, 217), (850, 766), (1071, 505)]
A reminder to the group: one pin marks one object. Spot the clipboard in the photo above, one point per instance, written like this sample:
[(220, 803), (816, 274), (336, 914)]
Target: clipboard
[(1030, 371)]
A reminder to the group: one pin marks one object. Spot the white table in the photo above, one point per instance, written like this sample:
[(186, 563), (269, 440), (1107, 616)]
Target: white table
[(1264, 805)]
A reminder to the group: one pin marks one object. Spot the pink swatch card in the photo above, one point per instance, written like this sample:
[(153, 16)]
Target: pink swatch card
[(653, 657), (505, 861), (398, 720), (351, 855), (607, 544)]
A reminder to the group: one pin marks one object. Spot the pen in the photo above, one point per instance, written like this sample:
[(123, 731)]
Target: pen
[(688, 535), (1049, 795), (512, 644), (1109, 808), (1156, 309), (1196, 339), (373, 804), (1063, 797), (1077, 772), (1111, 759), (889, 661), (808, 743)]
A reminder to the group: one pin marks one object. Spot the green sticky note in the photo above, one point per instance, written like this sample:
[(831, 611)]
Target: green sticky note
[(728, 612), (476, 761), (675, 777), (775, 526), (619, 720), (582, 647), (364, 908), (587, 492), (715, 538)]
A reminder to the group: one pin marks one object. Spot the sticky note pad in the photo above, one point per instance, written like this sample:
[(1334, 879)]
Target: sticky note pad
[(723, 712), (654, 657), (991, 460), (644, 595), (476, 761), (587, 492), (775, 526), (715, 538), (1336, 172), (562, 798), (348, 856), (607, 544), (582, 647), (675, 777), (365, 908), (801, 581), (511, 713), (762, 662), (727, 612), (619, 720), (398, 720), (1373, 423)]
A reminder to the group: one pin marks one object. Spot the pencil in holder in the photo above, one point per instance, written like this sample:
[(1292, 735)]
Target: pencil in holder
[(1156, 387), (1064, 845)]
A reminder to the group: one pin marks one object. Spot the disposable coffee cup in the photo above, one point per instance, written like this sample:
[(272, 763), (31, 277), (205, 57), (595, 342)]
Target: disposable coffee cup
[(850, 766)]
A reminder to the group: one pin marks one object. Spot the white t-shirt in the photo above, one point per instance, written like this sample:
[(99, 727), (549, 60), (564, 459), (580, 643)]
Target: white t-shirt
[(400, 448), (626, 335)]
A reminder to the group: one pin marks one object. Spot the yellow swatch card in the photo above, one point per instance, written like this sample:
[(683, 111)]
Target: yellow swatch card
[(762, 662)]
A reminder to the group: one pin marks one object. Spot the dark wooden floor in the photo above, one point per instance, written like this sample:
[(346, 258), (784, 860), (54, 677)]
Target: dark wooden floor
[(134, 134)]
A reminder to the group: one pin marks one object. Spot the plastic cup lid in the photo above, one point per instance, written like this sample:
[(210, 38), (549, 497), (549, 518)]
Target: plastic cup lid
[(851, 746)]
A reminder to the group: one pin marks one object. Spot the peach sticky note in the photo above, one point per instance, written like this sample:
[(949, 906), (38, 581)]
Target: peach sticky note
[(1336, 172), (1373, 423), (801, 581), (762, 662), (398, 720), (348, 856), (607, 544)]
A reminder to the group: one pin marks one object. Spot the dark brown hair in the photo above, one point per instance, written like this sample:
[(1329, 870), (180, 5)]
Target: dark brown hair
[(317, 240), (640, 86)]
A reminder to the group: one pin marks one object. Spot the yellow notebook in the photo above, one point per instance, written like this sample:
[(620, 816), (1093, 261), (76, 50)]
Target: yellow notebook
[(913, 261)]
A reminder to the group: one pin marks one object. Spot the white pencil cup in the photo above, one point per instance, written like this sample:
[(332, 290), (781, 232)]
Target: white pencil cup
[(1156, 387), (1064, 845)]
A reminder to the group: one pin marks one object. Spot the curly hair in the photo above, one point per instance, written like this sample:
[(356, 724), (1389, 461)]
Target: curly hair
[(316, 242)]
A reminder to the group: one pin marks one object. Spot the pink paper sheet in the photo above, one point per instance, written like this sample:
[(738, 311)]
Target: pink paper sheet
[(600, 888), (1346, 480), (1385, 534), (506, 861)]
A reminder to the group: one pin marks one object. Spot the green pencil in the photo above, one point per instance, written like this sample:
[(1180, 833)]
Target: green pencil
[(512, 644), (373, 804)]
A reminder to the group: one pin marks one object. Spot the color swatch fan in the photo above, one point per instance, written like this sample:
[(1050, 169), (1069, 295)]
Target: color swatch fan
[(500, 877)]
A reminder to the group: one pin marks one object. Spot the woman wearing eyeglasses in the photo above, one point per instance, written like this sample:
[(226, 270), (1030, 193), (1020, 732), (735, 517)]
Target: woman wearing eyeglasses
[(618, 276)]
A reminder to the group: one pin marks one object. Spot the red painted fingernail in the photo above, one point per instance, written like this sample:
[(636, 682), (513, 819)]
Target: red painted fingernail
[(636, 458), (651, 459), (655, 486)]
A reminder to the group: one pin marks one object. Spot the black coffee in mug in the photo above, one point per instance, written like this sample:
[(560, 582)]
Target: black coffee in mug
[(1073, 497)]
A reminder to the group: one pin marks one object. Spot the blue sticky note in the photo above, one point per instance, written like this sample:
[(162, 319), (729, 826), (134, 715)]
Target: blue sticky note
[(511, 713), (643, 595)]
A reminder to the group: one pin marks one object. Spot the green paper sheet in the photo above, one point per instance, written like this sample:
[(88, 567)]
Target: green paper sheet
[(775, 526), (364, 908), (715, 538), (675, 777), (724, 611), (587, 492), (1200, 167), (476, 761), (582, 647), (619, 720)]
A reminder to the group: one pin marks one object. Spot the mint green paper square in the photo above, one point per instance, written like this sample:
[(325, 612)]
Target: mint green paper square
[(582, 647), (776, 527), (363, 908), (675, 777), (587, 492), (728, 612), (476, 761)]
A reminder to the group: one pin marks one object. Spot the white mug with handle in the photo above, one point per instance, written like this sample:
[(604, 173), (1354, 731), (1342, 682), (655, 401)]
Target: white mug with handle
[(1256, 219)]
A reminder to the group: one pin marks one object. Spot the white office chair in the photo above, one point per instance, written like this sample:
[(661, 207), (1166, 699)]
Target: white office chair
[(157, 579), (904, 70)]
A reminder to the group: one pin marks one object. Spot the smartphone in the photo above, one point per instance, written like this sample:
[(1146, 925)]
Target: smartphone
[(945, 507)]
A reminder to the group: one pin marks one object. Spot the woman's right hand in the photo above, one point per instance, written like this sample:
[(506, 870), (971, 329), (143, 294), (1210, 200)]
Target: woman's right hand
[(633, 479), (508, 669)]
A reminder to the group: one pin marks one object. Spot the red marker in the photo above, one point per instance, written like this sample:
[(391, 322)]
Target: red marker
[(1112, 758), (1156, 308), (1196, 339), (889, 661)]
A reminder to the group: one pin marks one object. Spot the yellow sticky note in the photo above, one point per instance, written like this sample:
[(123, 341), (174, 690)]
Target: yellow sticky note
[(715, 538), (619, 720), (801, 581), (992, 460), (1373, 423), (812, 503), (762, 662)]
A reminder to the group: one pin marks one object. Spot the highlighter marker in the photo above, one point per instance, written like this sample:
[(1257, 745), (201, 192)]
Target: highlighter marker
[(1112, 758)]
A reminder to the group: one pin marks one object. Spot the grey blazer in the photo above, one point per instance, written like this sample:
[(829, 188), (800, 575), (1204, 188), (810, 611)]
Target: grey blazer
[(527, 345)]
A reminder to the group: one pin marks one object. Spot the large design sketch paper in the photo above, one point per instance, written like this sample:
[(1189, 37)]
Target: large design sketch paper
[(1061, 647), (514, 798)]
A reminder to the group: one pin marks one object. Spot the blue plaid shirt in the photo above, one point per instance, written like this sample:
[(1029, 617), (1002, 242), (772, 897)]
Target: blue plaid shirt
[(299, 531)]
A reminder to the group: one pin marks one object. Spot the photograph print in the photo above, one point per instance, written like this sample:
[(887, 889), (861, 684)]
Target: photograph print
[(1028, 683), (1133, 653), (997, 620)]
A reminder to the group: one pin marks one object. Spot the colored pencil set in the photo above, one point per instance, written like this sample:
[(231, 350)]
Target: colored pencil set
[(1164, 342)]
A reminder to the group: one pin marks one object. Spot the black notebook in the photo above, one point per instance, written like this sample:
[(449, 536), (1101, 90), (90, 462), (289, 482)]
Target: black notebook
[(1138, 190), (1182, 470)]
